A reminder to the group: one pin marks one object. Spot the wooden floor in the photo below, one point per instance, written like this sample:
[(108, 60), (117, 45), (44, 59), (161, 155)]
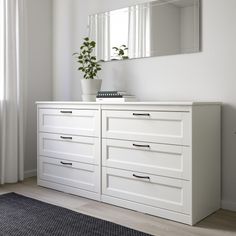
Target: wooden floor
[(222, 223)]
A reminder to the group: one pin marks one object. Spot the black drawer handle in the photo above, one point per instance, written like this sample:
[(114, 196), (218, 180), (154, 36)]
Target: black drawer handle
[(63, 137), (141, 114), (142, 146), (66, 112), (141, 177), (66, 163)]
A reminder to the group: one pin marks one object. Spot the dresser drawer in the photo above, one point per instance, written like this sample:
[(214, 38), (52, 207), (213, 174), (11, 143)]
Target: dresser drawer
[(69, 121), (147, 126), (69, 147), (156, 191), (158, 159), (73, 174)]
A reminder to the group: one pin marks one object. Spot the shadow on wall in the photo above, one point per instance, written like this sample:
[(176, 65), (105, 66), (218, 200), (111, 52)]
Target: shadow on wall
[(118, 77)]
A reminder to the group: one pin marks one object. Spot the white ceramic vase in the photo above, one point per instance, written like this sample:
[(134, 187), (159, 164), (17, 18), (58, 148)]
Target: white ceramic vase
[(90, 87)]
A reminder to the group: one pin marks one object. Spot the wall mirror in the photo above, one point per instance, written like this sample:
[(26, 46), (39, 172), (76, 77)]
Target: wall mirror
[(157, 28)]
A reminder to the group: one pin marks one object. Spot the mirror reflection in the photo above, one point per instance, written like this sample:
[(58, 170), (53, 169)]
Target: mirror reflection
[(155, 28)]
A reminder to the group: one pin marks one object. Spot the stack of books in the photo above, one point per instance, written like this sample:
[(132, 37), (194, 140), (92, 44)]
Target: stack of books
[(114, 96)]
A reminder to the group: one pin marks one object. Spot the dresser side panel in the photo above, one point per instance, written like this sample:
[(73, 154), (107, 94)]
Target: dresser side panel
[(206, 161)]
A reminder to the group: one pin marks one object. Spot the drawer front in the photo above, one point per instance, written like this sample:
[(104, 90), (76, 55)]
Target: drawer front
[(160, 127), (73, 174), (161, 192), (69, 121), (157, 159), (74, 148)]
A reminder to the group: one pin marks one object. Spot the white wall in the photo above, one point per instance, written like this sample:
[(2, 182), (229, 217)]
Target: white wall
[(62, 56), (206, 76), (69, 28), (39, 14)]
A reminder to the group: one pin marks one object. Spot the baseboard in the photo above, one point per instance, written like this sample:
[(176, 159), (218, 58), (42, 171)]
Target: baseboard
[(228, 205), (30, 173)]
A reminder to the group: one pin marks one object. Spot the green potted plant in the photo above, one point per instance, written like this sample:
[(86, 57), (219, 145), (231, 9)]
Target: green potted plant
[(121, 52), (89, 65)]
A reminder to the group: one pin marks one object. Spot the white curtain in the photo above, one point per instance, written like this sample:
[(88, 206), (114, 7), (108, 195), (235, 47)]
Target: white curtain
[(12, 92), (139, 31), (99, 31)]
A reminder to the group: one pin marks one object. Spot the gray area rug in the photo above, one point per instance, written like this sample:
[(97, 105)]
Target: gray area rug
[(23, 216)]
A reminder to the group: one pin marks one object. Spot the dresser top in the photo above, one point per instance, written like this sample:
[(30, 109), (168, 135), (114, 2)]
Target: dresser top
[(152, 103)]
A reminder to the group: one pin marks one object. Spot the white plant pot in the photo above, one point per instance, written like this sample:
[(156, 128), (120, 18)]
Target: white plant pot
[(90, 87)]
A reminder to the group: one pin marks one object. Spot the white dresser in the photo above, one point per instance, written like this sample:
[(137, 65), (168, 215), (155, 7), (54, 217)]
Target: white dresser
[(160, 158)]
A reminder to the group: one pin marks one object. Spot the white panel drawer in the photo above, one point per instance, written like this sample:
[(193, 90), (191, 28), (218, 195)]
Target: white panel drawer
[(157, 159), (147, 126), (156, 191), (69, 121), (74, 148), (73, 174)]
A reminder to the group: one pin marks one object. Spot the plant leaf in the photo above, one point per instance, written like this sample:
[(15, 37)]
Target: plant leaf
[(93, 44), (121, 52)]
